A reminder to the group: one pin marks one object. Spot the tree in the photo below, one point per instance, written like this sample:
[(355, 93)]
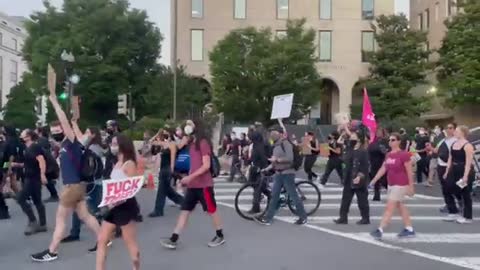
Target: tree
[(20, 108), (249, 67), (459, 64), (115, 49), (192, 94), (399, 64)]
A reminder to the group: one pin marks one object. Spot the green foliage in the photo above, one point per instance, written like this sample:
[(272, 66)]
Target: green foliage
[(399, 64), (115, 49), (157, 101), (249, 67), (20, 108), (459, 65)]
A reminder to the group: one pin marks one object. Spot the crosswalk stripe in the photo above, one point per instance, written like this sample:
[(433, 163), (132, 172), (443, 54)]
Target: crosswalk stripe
[(470, 260), (328, 219), (372, 205), (448, 238)]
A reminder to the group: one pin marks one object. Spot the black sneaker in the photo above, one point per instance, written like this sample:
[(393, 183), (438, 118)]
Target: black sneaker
[(94, 249), (4, 216), (216, 241), (139, 218), (154, 215), (363, 222), (168, 244), (44, 256), (70, 239), (42, 228), (301, 221), (262, 221), (32, 228), (51, 200), (340, 221)]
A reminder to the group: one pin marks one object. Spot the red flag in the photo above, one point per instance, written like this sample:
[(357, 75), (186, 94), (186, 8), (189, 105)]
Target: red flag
[(368, 117)]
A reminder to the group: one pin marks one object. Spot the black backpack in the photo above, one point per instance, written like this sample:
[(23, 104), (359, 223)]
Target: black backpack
[(297, 156), (443, 152), (214, 166), (91, 166)]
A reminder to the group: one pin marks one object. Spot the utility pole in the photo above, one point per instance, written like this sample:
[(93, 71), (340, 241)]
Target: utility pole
[(174, 58)]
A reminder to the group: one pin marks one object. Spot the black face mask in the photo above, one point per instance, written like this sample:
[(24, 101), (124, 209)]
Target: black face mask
[(22, 140), (58, 137), (110, 131), (353, 143)]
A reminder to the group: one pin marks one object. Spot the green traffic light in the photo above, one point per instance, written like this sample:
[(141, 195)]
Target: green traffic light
[(63, 96)]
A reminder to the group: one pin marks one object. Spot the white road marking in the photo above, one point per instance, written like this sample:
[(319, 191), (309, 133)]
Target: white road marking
[(329, 219), (372, 205), (461, 262), (449, 238)]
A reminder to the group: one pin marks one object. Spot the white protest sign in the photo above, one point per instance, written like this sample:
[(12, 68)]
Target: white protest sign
[(282, 106), (117, 190)]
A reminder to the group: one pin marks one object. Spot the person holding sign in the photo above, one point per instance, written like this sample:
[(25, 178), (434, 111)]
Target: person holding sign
[(460, 173), (122, 214), (199, 184), (73, 193)]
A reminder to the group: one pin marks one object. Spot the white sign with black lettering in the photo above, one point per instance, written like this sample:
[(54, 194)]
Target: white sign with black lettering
[(282, 106)]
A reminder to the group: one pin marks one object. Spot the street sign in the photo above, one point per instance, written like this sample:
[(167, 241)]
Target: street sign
[(122, 104), (282, 106)]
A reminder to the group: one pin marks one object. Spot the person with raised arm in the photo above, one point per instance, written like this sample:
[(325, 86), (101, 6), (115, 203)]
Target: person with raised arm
[(72, 197)]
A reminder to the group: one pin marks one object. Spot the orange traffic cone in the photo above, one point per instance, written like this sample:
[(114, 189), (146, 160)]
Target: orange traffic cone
[(150, 182)]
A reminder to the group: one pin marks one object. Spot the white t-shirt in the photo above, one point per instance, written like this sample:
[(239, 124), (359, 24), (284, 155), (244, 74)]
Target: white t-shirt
[(449, 141)]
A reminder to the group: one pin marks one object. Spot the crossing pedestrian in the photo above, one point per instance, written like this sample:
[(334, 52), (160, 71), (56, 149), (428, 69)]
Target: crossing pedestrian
[(355, 178), (334, 158), (44, 142), (199, 182), (460, 173), (125, 213), (398, 167), (376, 152)]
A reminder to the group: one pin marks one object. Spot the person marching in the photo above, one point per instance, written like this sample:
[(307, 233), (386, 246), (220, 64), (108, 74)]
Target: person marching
[(124, 214), (199, 184), (398, 167), (334, 158), (164, 143), (376, 152), (356, 178)]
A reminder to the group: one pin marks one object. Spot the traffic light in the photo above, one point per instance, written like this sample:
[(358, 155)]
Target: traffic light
[(122, 104), (63, 96)]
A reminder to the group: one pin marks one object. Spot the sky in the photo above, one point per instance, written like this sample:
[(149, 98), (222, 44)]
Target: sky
[(158, 11)]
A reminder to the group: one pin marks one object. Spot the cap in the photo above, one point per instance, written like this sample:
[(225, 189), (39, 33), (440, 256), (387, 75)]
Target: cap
[(277, 128)]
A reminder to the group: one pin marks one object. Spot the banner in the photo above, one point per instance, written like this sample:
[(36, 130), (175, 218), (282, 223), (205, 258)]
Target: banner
[(118, 190), (368, 117)]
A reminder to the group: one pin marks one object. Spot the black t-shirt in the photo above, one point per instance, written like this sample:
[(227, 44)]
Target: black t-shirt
[(44, 143), (235, 145), (13, 148), (335, 145), (31, 166), (421, 142)]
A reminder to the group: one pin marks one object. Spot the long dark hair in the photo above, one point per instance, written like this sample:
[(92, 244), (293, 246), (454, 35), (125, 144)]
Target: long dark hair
[(97, 137), (201, 132), (126, 148)]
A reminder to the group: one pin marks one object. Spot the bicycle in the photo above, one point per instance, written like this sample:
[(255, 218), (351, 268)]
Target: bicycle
[(308, 192)]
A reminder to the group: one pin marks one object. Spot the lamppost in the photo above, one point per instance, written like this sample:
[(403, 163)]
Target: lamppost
[(71, 79)]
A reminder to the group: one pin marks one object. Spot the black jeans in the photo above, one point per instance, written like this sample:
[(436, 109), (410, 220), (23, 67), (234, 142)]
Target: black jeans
[(456, 174), (308, 165), (423, 166), (375, 167), (32, 188), (362, 201), (51, 188), (332, 164), (235, 167), (259, 187), (448, 196), (165, 190)]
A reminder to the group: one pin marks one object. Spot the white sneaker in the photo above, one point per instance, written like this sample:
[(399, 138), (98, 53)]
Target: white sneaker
[(451, 217), (463, 220)]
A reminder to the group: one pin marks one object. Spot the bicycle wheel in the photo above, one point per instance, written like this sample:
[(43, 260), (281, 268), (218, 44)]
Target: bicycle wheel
[(309, 194), (244, 202)]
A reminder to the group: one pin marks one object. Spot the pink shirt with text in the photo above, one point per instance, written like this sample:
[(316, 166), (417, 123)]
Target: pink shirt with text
[(396, 171), (204, 180)]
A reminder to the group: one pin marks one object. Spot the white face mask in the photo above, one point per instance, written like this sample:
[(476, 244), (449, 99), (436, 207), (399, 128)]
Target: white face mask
[(188, 130), (114, 150)]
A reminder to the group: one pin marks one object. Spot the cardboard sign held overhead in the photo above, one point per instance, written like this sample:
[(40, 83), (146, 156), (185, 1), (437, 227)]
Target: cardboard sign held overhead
[(282, 106)]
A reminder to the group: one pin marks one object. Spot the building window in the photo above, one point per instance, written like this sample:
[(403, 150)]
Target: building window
[(420, 21), (368, 9), (197, 8), (282, 9), (427, 19), (325, 9), (14, 44), (368, 45), (14, 72), (325, 44), (281, 33), (437, 11), (240, 7), (197, 45)]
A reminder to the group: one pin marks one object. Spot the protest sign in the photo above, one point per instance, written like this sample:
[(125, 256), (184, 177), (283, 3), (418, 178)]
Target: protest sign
[(117, 190), (282, 106)]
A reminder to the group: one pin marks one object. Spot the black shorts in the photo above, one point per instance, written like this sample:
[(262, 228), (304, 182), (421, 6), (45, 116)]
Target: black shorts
[(204, 196)]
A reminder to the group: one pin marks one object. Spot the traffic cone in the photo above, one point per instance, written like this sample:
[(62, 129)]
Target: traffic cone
[(150, 182)]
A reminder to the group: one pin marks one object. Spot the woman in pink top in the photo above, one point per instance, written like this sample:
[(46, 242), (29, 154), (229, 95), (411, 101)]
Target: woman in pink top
[(398, 167)]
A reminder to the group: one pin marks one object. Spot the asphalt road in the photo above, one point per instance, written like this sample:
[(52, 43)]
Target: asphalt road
[(282, 246)]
